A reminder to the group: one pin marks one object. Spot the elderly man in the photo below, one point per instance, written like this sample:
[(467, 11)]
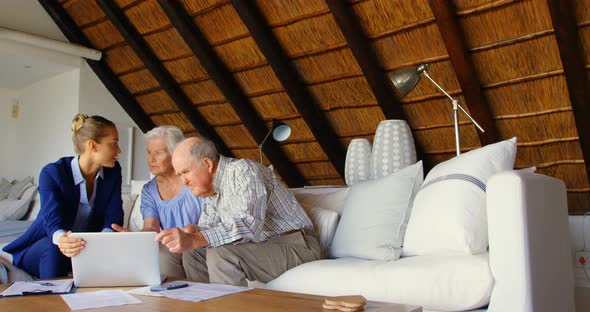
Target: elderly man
[(251, 226)]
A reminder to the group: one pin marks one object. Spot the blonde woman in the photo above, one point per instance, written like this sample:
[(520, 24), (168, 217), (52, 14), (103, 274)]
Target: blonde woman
[(165, 201), (78, 194)]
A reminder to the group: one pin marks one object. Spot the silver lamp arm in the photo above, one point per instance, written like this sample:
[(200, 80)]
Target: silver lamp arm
[(262, 143), (455, 102)]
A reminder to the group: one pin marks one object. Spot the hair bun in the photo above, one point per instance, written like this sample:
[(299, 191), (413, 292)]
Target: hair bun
[(78, 122)]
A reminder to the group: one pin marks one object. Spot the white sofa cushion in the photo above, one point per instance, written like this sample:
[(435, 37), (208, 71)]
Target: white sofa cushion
[(449, 213), (331, 198), (324, 222), (375, 215), (439, 282), (135, 222)]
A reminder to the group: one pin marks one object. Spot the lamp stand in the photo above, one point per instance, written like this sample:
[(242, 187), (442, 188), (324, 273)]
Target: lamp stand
[(456, 108), (261, 143)]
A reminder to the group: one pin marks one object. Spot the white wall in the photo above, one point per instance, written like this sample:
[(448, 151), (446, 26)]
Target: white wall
[(40, 134), (7, 128)]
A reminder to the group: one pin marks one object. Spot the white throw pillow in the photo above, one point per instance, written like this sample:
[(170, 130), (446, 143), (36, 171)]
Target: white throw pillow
[(449, 213), (375, 215)]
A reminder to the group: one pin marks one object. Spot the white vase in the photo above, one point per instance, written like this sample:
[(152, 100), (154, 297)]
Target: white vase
[(393, 148), (358, 161)]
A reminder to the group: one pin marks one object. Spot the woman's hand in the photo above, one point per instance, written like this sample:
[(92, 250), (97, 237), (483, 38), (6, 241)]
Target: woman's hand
[(119, 228), (70, 246)]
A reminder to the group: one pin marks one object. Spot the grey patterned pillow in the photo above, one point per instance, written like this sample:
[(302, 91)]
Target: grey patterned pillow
[(4, 188), (17, 189), (16, 209), (128, 202)]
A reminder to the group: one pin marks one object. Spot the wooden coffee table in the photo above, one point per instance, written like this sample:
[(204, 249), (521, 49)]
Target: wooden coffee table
[(255, 300)]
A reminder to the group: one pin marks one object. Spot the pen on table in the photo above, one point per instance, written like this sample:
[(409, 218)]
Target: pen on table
[(36, 292)]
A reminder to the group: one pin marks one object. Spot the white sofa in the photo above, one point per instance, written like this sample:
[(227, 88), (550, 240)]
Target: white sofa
[(528, 266)]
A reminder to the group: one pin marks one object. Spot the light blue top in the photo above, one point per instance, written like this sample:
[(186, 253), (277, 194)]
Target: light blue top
[(180, 211), (86, 204)]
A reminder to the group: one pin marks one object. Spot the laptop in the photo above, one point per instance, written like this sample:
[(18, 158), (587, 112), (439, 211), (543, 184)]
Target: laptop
[(117, 259)]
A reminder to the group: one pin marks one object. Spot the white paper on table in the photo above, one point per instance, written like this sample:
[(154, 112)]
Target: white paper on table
[(98, 299), (57, 286), (196, 292), (145, 291)]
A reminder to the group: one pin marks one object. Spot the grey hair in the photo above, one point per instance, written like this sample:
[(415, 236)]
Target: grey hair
[(204, 148), (173, 135)]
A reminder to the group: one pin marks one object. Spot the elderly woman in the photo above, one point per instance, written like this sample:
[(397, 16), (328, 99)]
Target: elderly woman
[(165, 201)]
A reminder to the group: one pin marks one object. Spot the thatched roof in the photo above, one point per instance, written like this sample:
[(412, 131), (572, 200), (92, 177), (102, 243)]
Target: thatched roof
[(225, 69)]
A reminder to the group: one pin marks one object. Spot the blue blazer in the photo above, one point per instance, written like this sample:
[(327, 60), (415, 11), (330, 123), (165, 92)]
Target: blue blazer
[(60, 198)]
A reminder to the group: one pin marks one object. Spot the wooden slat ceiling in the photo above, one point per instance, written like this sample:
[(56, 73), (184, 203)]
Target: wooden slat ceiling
[(226, 68)]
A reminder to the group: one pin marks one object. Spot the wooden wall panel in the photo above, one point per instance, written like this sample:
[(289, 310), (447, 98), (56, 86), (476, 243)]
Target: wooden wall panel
[(139, 81), (103, 35), (156, 102), (84, 12), (147, 16), (167, 44), (526, 17), (121, 59), (349, 92), (517, 60), (398, 50), (240, 54), (309, 36), (186, 69), (219, 114), (327, 66), (529, 96), (285, 12), (276, 105), (221, 25), (203, 92), (380, 17)]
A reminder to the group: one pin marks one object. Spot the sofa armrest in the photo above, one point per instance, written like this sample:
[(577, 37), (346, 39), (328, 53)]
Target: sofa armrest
[(529, 243)]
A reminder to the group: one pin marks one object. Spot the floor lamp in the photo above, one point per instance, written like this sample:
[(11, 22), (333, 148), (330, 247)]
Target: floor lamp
[(405, 79), (280, 132)]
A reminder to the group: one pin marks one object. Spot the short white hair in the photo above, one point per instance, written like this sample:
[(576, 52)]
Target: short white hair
[(204, 148), (171, 134)]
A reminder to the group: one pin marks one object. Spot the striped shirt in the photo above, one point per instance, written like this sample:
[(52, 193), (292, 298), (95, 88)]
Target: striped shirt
[(250, 205)]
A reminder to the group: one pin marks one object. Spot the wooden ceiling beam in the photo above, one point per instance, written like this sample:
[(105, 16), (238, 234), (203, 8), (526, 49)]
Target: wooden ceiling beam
[(100, 68), (281, 65), (572, 60), (152, 63), (226, 82), (454, 39), (366, 57)]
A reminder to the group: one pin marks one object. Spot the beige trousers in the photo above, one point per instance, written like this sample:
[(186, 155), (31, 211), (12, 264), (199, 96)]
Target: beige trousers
[(233, 264), (171, 264)]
